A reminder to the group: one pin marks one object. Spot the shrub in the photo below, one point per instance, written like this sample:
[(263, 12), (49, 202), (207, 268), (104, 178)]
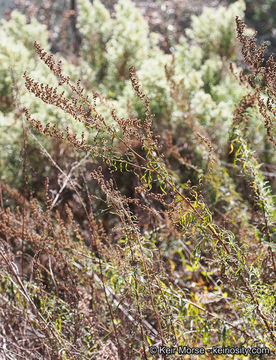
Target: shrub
[(160, 233)]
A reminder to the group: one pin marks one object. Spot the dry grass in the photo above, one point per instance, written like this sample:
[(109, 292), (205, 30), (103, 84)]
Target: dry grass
[(131, 247)]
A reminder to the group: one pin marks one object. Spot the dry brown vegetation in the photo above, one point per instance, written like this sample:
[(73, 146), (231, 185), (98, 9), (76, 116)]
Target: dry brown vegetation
[(131, 240)]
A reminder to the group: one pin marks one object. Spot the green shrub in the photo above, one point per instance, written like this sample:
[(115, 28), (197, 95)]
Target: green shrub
[(157, 224)]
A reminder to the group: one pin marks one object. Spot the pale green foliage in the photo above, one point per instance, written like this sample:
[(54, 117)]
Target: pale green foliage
[(130, 43), (155, 85), (212, 71), (95, 23), (204, 69), (204, 106), (20, 32), (188, 56), (193, 92), (17, 55), (94, 18), (16, 50), (227, 89), (112, 45), (214, 30)]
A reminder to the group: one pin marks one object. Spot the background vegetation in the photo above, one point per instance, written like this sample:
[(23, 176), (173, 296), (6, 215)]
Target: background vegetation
[(137, 177)]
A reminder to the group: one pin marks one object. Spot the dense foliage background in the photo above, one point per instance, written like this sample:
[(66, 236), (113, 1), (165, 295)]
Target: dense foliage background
[(137, 173)]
